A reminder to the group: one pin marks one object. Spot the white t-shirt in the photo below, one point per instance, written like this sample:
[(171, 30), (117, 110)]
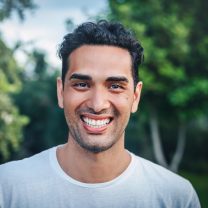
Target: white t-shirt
[(40, 182)]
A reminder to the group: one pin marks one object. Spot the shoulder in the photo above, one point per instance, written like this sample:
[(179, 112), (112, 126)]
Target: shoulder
[(167, 184), (157, 172), (25, 168), (161, 176)]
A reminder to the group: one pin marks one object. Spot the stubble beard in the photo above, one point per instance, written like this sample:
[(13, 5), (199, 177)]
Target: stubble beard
[(93, 148), (76, 135)]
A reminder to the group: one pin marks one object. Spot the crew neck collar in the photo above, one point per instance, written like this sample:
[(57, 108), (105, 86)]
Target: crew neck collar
[(123, 176)]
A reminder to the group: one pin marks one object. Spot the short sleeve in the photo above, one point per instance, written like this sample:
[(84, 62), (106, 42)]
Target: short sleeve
[(193, 200)]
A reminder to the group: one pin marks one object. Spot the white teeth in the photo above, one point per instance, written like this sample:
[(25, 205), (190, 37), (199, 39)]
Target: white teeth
[(96, 123)]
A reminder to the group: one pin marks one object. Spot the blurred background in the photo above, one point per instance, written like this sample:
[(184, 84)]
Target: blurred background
[(171, 125)]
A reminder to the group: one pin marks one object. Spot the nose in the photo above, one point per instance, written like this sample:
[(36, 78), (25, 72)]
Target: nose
[(98, 100)]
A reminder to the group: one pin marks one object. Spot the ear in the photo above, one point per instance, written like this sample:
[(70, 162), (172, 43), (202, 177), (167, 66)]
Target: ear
[(137, 94), (59, 85)]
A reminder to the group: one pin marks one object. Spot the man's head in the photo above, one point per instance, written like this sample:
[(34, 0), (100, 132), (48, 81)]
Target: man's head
[(101, 33), (98, 89)]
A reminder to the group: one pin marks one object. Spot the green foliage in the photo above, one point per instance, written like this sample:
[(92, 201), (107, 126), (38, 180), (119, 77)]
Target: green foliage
[(38, 101), (19, 6), (11, 122), (9, 70)]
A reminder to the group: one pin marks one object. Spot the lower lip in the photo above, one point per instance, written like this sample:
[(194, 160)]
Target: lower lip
[(94, 130)]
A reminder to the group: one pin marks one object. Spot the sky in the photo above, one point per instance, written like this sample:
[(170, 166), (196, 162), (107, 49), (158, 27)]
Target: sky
[(45, 27)]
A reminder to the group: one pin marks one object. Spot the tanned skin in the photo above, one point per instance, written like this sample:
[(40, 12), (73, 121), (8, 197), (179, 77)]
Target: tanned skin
[(98, 96)]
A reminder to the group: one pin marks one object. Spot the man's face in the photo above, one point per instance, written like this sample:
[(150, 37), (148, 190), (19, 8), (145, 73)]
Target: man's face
[(98, 96)]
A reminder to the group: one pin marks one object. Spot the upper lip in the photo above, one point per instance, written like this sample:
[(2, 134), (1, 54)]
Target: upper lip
[(97, 117)]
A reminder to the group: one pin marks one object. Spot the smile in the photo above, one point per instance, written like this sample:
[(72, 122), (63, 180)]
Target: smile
[(96, 123)]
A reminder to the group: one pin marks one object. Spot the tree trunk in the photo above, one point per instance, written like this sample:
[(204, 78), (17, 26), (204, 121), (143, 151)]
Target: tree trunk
[(177, 157), (157, 146)]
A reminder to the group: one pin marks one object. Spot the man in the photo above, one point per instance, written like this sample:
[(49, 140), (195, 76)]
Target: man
[(98, 91)]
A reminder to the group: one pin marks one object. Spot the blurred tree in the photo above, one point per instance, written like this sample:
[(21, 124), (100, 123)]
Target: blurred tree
[(70, 26), (38, 101), (11, 122), (174, 74), (7, 7)]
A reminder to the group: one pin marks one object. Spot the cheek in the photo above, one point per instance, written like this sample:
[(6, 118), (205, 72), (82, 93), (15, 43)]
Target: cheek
[(122, 103), (126, 98), (73, 100)]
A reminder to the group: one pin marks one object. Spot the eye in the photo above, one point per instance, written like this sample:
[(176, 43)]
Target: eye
[(116, 87), (81, 85)]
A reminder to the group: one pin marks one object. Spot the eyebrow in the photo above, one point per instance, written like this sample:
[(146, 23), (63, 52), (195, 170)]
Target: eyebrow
[(117, 79), (109, 79), (80, 76)]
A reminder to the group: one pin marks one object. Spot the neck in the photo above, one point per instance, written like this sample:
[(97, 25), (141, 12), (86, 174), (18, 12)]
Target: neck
[(91, 167)]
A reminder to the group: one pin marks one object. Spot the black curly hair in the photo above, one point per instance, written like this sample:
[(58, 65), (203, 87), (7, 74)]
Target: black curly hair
[(102, 33)]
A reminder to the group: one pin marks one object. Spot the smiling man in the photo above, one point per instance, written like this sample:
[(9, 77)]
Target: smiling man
[(98, 91)]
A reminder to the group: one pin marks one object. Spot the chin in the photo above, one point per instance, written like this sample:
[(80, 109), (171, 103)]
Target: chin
[(95, 148)]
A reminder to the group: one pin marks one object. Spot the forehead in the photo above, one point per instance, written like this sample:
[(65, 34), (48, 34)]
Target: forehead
[(100, 61)]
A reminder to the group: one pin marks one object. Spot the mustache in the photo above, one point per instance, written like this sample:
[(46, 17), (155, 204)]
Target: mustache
[(113, 112)]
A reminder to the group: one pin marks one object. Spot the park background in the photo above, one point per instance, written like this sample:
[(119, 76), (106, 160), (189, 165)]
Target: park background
[(171, 125)]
